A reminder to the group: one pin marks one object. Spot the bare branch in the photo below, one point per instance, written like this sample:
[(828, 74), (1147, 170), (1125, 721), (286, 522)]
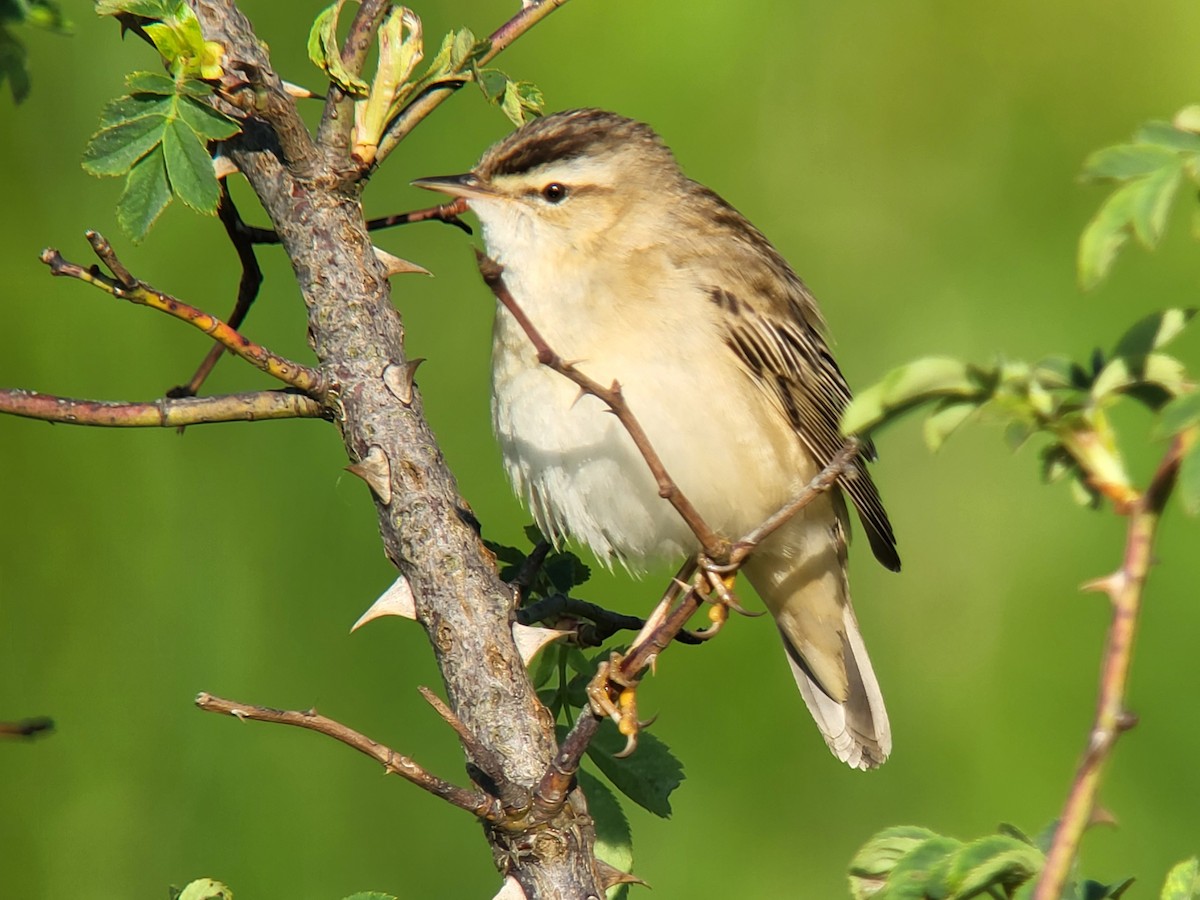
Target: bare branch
[(1124, 588), (475, 802), (303, 378), (166, 413)]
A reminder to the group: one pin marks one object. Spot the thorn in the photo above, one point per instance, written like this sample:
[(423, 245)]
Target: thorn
[(511, 890), (1110, 584), (1101, 816), (610, 876), (300, 93), (223, 167), (530, 639), (376, 471), (394, 265), (1126, 720), (399, 379), (397, 600)]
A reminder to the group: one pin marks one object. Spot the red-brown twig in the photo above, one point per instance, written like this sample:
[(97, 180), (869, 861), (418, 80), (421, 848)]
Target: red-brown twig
[(475, 802), (248, 286), (429, 100), (167, 413), (309, 380), (1124, 588), (37, 726), (445, 212), (713, 545)]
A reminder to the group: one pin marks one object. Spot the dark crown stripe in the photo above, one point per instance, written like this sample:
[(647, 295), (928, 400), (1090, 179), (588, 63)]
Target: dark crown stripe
[(565, 136)]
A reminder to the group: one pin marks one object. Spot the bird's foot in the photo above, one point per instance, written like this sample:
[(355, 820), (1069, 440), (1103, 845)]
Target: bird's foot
[(614, 696)]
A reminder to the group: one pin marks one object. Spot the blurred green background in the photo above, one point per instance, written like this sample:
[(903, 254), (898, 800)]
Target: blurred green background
[(915, 161)]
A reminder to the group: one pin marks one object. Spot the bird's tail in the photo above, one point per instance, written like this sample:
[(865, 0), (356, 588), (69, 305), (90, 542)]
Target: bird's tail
[(800, 573)]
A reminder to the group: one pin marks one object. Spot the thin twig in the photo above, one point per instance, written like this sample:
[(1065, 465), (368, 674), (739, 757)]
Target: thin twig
[(166, 413), (304, 378), (248, 285), (476, 802), (27, 728), (714, 546), (446, 212), (481, 755), (1124, 588), (429, 100)]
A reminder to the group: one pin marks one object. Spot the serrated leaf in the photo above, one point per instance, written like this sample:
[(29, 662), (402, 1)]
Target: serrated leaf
[(614, 838), (461, 46), (13, 65), (647, 777), (150, 83), (905, 387), (1183, 881), (325, 54), (115, 150), (920, 872), (997, 860), (879, 855), (493, 83), (151, 9), (147, 193), (1126, 372), (1104, 236), (1188, 481), (190, 168), (1152, 203), (564, 570), (205, 889), (1180, 413), (945, 420), (135, 106), (206, 122), (1128, 161), (1153, 332), (1164, 134)]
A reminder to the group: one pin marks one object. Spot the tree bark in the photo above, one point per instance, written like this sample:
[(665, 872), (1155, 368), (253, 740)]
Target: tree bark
[(428, 531)]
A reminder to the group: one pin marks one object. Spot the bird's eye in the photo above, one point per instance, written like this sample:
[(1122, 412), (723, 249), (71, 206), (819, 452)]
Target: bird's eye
[(554, 192)]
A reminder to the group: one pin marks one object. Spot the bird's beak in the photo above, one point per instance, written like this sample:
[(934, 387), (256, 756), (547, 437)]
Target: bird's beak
[(465, 186)]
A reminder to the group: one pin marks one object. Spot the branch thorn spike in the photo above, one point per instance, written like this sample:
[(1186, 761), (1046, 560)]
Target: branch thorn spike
[(376, 471)]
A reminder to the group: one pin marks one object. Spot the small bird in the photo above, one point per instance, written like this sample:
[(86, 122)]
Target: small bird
[(640, 275)]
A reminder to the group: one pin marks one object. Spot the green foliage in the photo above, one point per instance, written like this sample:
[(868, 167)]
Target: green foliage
[(326, 55), (156, 136), (1183, 881), (1148, 173), (908, 862), (37, 13), (202, 889), (647, 777), (1067, 401)]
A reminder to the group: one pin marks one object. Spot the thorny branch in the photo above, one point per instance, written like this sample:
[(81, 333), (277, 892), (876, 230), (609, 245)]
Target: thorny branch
[(1124, 589), (165, 413), (475, 802), (124, 286)]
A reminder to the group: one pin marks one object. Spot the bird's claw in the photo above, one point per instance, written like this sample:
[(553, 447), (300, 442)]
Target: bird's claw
[(612, 696)]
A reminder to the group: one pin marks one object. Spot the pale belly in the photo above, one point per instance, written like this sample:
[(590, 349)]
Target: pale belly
[(579, 472)]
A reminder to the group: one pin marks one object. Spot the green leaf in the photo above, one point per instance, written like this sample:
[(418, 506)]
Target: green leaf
[(150, 9), (42, 14), (1183, 881), (1188, 483), (370, 895), (614, 838), (147, 193), (150, 83), (462, 45), (1126, 372), (647, 777), (323, 50), (1153, 332), (1128, 161), (136, 106), (905, 387), (205, 889), (206, 122), (1152, 203), (493, 83), (545, 664), (878, 856), (1182, 412), (1104, 236), (1187, 119), (13, 65), (1164, 134), (997, 860), (564, 570), (190, 168), (949, 415), (115, 150), (920, 873)]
